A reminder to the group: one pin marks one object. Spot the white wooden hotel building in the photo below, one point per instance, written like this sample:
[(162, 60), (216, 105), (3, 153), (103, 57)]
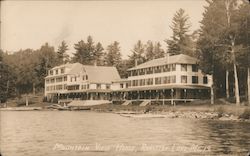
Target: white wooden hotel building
[(170, 78), (79, 82)]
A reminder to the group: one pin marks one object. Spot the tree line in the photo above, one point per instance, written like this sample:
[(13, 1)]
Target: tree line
[(221, 44)]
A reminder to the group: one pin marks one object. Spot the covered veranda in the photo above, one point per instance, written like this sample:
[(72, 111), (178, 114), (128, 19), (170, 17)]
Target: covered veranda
[(163, 93)]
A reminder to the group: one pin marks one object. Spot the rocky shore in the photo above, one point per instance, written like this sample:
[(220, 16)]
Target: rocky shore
[(215, 112), (186, 115)]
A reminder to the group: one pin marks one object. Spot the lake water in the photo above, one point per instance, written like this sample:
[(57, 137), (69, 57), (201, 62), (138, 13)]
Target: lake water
[(64, 133)]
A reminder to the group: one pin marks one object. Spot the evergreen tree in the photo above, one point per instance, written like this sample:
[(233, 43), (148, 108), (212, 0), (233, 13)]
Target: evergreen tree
[(138, 55), (113, 54), (153, 51), (98, 54), (88, 53), (149, 51), (7, 80), (217, 41), (46, 60), (61, 53), (244, 34), (158, 51), (179, 42)]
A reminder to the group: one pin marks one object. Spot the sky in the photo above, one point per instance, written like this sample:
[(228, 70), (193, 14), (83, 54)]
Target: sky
[(29, 24)]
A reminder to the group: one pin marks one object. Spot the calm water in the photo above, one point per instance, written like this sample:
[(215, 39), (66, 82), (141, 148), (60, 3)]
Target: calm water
[(87, 133)]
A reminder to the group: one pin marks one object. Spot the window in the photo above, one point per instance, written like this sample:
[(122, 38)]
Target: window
[(149, 70), (59, 79), (142, 72), (183, 67), (149, 81), (107, 86), (165, 79), (51, 72), (183, 79), (195, 79), (47, 81), (129, 73), (98, 86), (172, 79), (194, 68), (62, 70), (135, 83), (86, 77), (173, 67), (134, 73), (56, 71), (205, 80), (157, 69), (121, 85), (65, 78), (142, 82), (129, 83), (52, 80), (158, 80)]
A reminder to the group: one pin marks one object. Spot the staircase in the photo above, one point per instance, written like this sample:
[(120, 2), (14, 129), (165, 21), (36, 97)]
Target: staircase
[(127, 103), (145, 103)]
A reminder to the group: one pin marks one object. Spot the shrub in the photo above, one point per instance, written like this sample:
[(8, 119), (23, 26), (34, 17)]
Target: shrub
[(245, 114), (220, 111)]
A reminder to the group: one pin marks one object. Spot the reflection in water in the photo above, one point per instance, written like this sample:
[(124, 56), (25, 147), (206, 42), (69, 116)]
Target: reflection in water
[(88, 133)]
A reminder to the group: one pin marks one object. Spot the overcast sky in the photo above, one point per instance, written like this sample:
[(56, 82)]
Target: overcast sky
[(27, 24)]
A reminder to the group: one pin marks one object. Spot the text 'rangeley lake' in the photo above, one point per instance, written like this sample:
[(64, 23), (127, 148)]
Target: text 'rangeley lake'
[(88, 133)]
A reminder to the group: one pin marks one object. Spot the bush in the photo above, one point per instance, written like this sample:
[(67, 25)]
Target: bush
[(220, 111), (245, 114)]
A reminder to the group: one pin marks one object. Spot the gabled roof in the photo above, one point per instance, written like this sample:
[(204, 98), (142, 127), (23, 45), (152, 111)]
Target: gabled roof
[(96, 74), (101, 74), (179, 59)]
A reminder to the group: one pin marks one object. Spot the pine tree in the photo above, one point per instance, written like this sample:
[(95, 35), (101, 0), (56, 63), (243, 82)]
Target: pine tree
[(98, 54), (153, 51), (217, 41), (61, 53), (113, 54), (179, 42), (138, 55), (88, 53)]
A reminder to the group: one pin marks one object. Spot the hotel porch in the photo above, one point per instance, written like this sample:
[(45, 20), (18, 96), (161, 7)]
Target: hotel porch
[(94, 94), (163, 94)]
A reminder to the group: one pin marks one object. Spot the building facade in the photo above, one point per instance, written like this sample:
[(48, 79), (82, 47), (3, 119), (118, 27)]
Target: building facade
[(79, 82), (174, 77)]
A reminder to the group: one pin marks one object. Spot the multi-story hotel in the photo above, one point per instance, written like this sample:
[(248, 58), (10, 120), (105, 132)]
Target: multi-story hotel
[(81, 82), (172, 78)]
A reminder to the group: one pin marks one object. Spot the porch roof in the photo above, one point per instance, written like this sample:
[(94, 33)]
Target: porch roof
[(164, 87)]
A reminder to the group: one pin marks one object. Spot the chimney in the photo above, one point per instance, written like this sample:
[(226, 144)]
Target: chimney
[(136, 62)]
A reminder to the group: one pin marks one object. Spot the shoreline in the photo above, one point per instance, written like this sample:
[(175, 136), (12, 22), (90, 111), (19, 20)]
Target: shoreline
[(200, 112)]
